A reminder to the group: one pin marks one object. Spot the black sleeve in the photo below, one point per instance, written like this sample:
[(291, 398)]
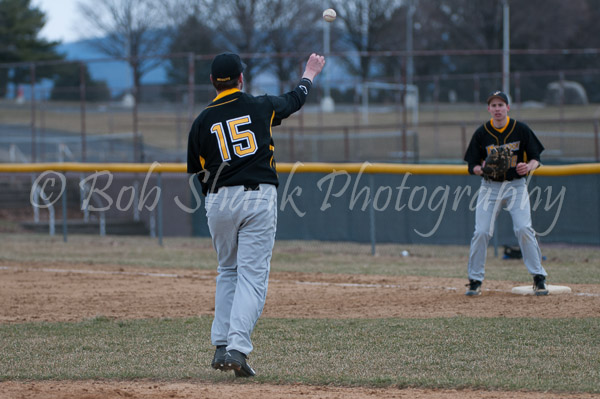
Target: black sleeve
[(193, 157), (533, 147), (193, 151), (288, 103), (474, 154)]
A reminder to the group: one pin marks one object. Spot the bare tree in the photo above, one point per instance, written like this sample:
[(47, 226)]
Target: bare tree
[(178, 12), (370, 26), (294, 28), (244, 27), (131, 29), (251, 28), (471, 25), (191, 36)]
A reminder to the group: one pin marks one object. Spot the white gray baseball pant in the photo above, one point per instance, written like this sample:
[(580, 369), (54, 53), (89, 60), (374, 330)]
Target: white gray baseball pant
[(514, 197), (242, 225)]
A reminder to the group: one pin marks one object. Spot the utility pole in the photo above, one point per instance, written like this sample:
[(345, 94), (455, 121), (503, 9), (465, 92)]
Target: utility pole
[(327, 103), (506, 48), (410, 69)]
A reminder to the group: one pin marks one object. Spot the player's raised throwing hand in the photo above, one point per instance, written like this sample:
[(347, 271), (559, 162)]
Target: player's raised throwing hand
[(314, 66)]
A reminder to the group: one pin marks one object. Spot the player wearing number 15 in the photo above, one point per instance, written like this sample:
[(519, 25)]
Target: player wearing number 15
[(231, 148)]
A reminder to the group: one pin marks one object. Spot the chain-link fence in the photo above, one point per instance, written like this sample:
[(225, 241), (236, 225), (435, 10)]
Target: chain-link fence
[(91, 110)]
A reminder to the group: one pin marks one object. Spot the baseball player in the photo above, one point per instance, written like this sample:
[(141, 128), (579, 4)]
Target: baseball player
[(507, 190), (230, 147)]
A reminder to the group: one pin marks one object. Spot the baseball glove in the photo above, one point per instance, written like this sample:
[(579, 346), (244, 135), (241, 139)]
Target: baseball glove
[(497, 163)]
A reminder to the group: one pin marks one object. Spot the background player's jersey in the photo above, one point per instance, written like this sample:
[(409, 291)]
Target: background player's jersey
[(231, 140), (516, 135)]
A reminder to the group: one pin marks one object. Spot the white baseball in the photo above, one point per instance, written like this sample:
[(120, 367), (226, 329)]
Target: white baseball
[(329, 15), (405, 253)]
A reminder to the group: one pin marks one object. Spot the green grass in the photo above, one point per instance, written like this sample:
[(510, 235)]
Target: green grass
[(109, 250), (488, 353), (565, 265)]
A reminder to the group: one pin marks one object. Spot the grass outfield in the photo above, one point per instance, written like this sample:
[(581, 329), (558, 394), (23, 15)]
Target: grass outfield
[(565, 264), (495, 353)]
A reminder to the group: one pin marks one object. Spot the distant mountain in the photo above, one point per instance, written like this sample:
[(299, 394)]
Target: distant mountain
[(116, 74)]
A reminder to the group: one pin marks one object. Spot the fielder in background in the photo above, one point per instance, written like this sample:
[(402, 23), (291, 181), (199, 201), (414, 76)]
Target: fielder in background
[(230, 147), (504, 188)]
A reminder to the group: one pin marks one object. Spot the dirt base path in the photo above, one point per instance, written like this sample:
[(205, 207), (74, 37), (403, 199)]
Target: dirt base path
[(30, 292), (153, 390), (76, 292)]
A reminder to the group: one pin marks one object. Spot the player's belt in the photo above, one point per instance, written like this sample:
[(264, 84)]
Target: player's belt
[(501, 180), (247, 187)]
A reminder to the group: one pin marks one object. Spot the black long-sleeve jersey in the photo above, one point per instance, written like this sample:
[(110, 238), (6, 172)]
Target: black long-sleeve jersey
[(231, 140), (516, 135)]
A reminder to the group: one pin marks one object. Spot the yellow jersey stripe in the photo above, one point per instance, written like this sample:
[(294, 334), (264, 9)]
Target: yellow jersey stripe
[(226, 102), (503, 128), (225, 93), (271, 124), (511, 131)]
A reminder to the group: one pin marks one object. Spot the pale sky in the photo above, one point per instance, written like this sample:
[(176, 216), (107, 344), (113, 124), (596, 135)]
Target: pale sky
[(61, 19)]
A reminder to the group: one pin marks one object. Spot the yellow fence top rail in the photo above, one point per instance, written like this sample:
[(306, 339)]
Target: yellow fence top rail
[(312, 167)]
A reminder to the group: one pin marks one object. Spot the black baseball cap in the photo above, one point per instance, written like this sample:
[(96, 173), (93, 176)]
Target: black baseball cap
[(498, 94), (226, 66)]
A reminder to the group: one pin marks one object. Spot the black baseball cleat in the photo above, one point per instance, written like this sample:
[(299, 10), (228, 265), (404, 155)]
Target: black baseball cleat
[(218, 362), (236, 361), (539, 285), (474, 288)]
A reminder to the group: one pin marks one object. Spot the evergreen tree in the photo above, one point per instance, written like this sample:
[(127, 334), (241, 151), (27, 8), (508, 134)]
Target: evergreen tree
[(193, 36), (67, 84), (20, 25)]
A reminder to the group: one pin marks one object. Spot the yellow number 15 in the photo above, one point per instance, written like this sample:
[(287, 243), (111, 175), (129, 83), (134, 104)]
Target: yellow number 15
[(244, 141)]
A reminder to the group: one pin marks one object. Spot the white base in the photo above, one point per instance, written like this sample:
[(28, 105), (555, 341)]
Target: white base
[(552, 289)]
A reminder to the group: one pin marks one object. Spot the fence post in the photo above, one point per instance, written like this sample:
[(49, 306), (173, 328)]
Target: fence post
[(191, 84), (32, 122), (596, 141), (83, 190), (136, 94), (372, 218), (436, 116), (136, 200), (160, 209), (82, 109), (517, 88), (102, 224), (415, 147), (34, 190), (292, 145), (64, 212), (463, 139), (346, 145), (476, 92), (404, 116)]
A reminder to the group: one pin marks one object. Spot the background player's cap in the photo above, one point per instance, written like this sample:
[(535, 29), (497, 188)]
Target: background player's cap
[(498, 94), (226, 66)]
